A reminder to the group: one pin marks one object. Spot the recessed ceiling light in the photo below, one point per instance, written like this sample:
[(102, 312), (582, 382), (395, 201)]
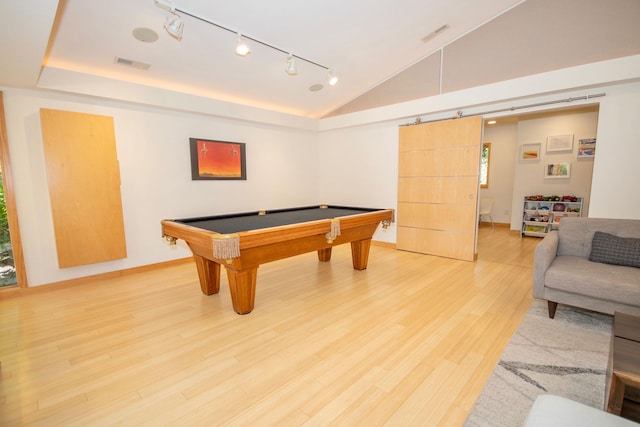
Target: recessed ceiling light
[(145, 35), (316, 87)]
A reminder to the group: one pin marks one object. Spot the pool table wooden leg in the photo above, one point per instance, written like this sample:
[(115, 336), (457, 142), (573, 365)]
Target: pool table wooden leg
[(360, 253), (242, 285), (324, 255), (209, 275)]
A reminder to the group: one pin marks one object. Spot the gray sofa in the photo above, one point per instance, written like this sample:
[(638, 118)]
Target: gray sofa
[(591, 263)]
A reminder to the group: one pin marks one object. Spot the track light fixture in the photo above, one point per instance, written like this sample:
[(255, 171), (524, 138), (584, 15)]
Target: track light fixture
[(331, 78), (292, 67), (242, 48), (174, 27), (173, 24)]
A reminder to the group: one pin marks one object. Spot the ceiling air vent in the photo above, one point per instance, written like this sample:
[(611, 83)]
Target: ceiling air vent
[(429, 36), (131, 63)]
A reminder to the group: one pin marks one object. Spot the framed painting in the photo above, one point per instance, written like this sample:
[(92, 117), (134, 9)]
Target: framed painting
[(587, 148), (217, 159), (557, 170), (559, 143), (530, 151)]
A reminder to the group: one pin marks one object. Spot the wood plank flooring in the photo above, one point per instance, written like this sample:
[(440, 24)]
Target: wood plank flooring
[(408, 342)]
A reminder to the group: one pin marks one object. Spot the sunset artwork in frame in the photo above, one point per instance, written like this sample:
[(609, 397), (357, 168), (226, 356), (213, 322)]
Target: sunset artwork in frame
[(217, 160)]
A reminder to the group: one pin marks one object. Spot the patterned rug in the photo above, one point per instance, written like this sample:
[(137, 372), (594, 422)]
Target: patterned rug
[(566, 356)]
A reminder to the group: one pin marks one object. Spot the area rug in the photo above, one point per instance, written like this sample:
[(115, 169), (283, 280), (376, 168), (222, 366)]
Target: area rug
[(565, 356)]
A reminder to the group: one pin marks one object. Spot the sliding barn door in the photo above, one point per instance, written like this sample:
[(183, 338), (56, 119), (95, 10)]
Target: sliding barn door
[(438, 187), (84, 187)]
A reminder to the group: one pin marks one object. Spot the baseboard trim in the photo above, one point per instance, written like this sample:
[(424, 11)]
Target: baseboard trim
[(495, 224), (383, 244), (10, 291), (48, 287)]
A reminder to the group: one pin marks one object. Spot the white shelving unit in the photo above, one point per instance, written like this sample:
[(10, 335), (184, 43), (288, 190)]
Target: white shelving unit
[(541, 216)]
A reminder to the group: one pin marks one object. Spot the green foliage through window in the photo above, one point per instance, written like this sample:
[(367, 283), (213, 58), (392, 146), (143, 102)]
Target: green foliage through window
[(7, 268), (485, 160)]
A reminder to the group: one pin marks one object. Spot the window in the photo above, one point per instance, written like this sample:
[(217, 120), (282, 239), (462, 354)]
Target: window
[(484, 165)]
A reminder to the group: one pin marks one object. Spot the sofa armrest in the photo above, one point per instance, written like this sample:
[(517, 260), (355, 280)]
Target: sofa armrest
[(550, 410), (543, 256)]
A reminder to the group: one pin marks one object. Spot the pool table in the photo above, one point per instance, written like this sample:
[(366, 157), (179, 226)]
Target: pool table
[(241, 242)]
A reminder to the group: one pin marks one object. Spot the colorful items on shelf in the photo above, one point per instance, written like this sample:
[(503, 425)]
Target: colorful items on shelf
[(554, 198), (542, 214)]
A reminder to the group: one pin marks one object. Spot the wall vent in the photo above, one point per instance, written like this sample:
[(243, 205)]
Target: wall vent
[(435, 33)]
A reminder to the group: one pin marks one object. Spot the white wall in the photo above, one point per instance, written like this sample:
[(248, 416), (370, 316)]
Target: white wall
[(529, 176), (359, 167), (153, 151), (615, 192)]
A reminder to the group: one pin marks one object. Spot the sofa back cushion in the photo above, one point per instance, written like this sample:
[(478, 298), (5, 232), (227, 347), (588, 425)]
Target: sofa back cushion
[(575, 234)]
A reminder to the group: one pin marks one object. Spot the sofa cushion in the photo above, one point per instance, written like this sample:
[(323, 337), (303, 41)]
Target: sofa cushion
[(576, 233), (608, 282), (609, 249)]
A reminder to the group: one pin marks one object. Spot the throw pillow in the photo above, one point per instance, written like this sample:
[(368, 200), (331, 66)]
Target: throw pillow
[(609, 249)]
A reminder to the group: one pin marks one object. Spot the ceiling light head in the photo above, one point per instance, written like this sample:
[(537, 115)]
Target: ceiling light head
[(242, 49), (174, 26), (332, 79), (165, 4), (292, 67)]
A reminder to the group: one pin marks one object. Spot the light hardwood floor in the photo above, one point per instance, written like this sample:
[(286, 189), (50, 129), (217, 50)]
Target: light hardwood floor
[(410, 341)]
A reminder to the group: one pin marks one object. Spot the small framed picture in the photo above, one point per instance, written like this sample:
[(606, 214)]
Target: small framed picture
[(560, 143), (217, 159), (530, 151), (557, 170), (587, 148)]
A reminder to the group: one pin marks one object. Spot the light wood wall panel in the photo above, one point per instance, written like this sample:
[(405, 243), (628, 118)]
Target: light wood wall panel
[(438, 168), (84, 187), (461, 161), (448, 244), (436, 190), (438, 216), (443, 134)]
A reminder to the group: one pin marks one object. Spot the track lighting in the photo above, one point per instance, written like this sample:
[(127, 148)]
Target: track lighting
[(174, 27), (173, 24), (292, 68), (331, 78), (242, 48), (165, 4)]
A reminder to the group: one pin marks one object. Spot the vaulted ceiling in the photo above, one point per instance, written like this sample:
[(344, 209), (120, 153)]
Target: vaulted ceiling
[(382, 51)]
